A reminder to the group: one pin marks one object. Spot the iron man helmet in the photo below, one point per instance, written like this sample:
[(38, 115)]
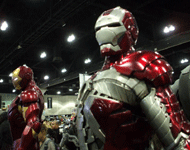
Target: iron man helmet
[(21, 77), (116, 31)]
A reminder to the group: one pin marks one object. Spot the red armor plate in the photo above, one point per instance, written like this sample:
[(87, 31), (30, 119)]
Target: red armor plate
[(25, 111), (146, 65), (120, 125)]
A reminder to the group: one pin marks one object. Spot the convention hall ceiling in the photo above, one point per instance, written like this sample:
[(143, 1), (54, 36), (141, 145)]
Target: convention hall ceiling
[(37, 26)]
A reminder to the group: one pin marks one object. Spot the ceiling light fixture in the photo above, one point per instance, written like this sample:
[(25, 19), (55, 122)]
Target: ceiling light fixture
[(13, 90), (70, 90), (64, 25), (43, 55), (169, 28), (87, 61), (64, 70), (11, 74), (71, 38), (184, 61), (58, 92), (46, 77), (1, 80), (4, 26)]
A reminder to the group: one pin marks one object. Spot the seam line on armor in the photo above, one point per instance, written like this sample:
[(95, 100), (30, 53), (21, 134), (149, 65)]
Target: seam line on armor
[(117, 83), (162, 124)]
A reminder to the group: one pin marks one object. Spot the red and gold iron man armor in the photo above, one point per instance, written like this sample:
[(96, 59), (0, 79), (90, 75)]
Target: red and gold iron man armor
[(129, 100), (26, 110)]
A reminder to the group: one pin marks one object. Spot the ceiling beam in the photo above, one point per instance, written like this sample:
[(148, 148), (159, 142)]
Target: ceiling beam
[(169, 42), (41, 28), (141, 5), (160, 45), (71, 76), (3, 5)]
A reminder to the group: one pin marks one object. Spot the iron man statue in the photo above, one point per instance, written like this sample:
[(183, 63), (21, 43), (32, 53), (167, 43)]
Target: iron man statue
[(129, 101), (25, 111)]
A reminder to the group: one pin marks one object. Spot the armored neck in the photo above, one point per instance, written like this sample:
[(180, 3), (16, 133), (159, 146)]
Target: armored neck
[(30, 85), (112, 59)]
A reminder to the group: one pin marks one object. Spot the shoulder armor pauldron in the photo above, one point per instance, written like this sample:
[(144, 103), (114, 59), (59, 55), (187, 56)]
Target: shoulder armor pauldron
[(146, 65), (29, 96)]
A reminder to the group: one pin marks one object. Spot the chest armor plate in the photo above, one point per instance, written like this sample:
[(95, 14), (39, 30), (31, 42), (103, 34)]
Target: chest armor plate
[(111, 110)]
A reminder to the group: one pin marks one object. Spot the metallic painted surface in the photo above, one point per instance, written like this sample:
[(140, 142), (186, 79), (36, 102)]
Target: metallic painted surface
[(120, 29), (118, 123), (118, 100), (112, 88), (107, 111), (16, 79), (21, 77), (25, 112)]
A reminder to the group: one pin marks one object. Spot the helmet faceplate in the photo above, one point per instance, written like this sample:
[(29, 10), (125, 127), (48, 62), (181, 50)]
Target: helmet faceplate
[(116, 31), (21, 77)]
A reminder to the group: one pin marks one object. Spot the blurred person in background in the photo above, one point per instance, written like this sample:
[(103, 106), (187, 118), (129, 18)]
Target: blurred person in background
[(55, 127), (47, 123), (6, 140), (46, 142), (73, 116)]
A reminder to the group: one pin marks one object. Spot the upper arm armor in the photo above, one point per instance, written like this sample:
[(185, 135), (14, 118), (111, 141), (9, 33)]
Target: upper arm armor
[(148, 66), (29, 96), (31, 109), (32, 116)]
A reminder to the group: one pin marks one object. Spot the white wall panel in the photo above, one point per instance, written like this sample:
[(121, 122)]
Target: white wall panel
[(60, 105)]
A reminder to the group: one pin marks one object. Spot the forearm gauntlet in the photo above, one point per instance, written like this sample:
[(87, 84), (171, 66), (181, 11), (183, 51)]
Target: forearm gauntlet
[(158, 118)]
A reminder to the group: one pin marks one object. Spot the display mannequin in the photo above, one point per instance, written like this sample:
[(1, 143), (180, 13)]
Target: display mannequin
[(129, 101), (26, 110)]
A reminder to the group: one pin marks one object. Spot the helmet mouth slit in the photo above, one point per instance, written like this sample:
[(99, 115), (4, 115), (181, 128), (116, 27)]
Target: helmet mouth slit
[(107, 43)]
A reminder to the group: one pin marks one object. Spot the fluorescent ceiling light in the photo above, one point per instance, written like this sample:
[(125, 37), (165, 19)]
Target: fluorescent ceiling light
[(71, 38), (88, 60), (11, 74), (4, 26), (184, 61), (169, 28), (70, 90), (43, 55), (64, 70), (46, 77), (166, 30)]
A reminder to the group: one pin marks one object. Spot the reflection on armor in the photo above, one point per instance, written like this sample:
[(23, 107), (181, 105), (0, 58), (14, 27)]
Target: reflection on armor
[(26, 110), (111, 103), (128, 104), (184, 90)]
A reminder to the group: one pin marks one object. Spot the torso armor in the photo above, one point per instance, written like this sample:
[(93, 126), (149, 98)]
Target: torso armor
[(123, 105), (25, 117)]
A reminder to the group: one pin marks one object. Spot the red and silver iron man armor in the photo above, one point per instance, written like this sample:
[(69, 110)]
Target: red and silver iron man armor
[(129, 100), (25, 111)]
